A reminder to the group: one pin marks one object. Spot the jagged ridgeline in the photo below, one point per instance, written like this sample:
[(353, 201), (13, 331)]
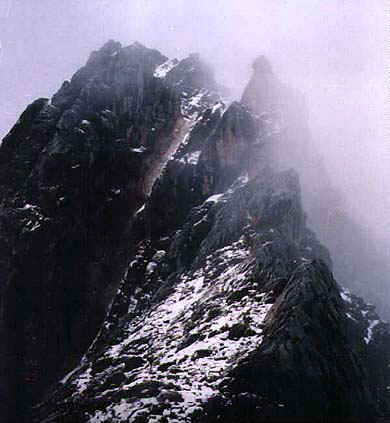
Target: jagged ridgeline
[(157, 264)]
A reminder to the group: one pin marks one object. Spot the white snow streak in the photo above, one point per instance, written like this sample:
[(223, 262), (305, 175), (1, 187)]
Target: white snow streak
[(162, 70)]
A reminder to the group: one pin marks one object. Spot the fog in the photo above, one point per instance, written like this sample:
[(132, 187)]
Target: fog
[(332, 51)]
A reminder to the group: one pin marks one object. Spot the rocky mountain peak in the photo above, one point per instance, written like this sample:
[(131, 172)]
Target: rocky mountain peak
[(192, 72), (157, 266), (261, 65), (263, 91), (111, 46)]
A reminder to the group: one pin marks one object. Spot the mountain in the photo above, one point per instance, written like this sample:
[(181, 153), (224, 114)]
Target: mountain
[(157, 263)]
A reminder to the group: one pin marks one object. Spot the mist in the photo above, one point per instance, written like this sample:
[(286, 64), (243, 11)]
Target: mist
[(333, 52)]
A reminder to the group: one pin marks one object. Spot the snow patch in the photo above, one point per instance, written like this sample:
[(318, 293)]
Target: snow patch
[(34, 218), (138, 149), (83, 380), (141, 209), (371, 325), (28, 207), (191, 158), (350, 317), (217, 106), (151, 267), (159, 255), (192, 106), (214, 198), (346, 297), (162, 70)]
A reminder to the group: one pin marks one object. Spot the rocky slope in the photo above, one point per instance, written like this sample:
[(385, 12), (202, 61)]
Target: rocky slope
[(199, 296)]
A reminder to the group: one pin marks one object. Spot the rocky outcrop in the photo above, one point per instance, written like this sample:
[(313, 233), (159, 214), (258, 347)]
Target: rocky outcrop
[(74, 170)]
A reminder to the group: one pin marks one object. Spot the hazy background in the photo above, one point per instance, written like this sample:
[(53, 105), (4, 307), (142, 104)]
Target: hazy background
[(331, 50)]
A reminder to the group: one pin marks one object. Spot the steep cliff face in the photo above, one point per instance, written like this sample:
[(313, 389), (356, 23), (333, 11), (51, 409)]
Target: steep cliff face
[(200, 296), (74, 170)]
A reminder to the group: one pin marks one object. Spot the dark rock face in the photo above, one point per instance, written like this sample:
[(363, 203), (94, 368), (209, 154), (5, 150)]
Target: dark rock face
[(303, 330), (214, 301), (73, 172)]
